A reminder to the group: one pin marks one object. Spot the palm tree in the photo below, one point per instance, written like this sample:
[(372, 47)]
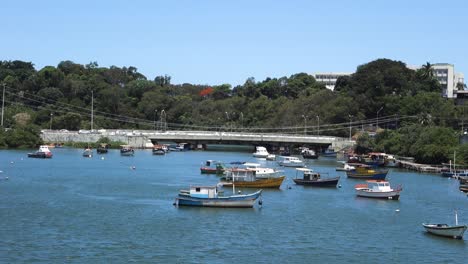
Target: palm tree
[(427, 71)]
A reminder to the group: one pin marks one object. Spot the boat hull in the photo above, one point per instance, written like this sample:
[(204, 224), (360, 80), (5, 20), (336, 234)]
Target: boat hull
[(292, 165), (206, 170), (260, 183), (332, 182), (368, 176), (236, 201), (310, 156), (40, 155), (445, 230), (393, 195)]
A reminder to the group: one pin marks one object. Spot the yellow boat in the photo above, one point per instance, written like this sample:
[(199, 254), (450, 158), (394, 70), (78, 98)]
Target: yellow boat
[(245, 178)]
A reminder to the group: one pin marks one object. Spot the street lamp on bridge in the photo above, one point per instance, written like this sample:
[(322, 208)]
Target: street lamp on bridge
[(305, 124), (154, 120), (350, 117), (318, 125), (50, 126)]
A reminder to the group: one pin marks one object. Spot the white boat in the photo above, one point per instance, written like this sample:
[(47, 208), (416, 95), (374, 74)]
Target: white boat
[(262, 172), (43, 153), (290, 161), (261, 152), (345, 167), (378, 189), (271, 157), (446, 230)]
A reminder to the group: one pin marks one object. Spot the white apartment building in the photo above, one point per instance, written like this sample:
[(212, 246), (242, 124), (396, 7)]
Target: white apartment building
[(329, 78), (448, 79)]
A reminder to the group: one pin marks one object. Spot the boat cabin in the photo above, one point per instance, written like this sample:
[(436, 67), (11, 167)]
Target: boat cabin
[(307, 174), (237, 175), (377, 186), (204, 191)]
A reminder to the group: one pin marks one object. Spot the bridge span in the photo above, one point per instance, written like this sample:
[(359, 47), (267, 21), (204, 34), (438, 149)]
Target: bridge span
[(141, 138)]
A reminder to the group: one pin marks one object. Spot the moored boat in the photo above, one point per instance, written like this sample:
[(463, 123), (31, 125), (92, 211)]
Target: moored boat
[(208, 196), (102, 148), (367, 172), (246, 178), (309, 154), (456, 231), (212, 167), (42, 153), (126, 150), (346, 167), (158, 150), (378, 189), (290, 162), (312, 178), (260, 152), (88, 153)]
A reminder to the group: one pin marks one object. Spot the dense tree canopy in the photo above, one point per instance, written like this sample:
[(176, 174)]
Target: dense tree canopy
[(408, 102)]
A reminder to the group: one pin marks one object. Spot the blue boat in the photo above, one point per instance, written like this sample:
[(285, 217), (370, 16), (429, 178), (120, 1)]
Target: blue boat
[(208, 196)]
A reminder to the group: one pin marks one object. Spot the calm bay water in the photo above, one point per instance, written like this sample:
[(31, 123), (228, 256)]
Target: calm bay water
[(71, 209)]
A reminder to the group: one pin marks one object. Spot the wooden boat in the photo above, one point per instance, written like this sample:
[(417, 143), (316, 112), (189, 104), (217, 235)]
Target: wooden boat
[(212, 167), (311, 178), (103, 148), (87, 153), (463, 187), (246, 178), (446, 230), (126, 150), (260, 152), (208, 196), (378, 189), (367, 172), (42, 153)]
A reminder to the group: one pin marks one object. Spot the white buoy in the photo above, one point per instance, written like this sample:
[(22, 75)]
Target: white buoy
[(397, 210), (339, 186), (102, 158)]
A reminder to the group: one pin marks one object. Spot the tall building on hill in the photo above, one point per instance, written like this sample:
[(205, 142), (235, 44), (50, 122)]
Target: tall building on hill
[(329, 78)]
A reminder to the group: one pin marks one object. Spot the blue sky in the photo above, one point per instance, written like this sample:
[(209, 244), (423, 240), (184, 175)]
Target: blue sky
[(215, 42)]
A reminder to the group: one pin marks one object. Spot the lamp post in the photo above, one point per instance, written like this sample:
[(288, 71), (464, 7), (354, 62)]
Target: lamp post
[(92, 109), (3, 102), (154, 119), (350, 117), (50, 126), (162, 120), (378, 111), (318, 125), (227, 118), (305, 124)]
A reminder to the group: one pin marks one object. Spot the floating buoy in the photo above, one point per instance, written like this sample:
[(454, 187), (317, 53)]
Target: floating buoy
[(239, 192), (102, 158), (260, 202), (339, 186), (12, 162), (397, 210), (132, 167)]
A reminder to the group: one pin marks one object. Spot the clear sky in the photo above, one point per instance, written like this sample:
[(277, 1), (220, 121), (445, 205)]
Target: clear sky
[(215, 41)]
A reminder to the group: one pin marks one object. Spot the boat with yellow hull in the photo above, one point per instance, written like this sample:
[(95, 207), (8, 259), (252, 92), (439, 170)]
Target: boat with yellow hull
[(367, 172), (246, 178), (259, 183)]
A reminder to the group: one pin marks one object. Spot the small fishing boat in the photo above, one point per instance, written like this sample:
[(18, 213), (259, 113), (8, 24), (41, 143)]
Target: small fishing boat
[(159, 150), (87, 153), (102, 148), (329, 152), (309, 154), (378, 189), (290, 162), (446, 230), (209, 196), (260, 152), (126, 150), (271, 157), (312, 178), (367, 172), (212, 167), (246, 178), (262, 172), (345, 167), (42, 153)]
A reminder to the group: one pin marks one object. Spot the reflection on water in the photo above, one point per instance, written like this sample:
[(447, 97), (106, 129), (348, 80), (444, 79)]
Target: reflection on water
[(116, 209)]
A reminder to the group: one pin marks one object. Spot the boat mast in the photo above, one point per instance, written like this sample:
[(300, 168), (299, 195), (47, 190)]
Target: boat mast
[(3, 102), (92, 109), (456, 218)]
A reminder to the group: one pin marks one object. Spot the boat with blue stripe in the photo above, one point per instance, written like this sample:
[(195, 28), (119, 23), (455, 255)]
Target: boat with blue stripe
[(209, 196)]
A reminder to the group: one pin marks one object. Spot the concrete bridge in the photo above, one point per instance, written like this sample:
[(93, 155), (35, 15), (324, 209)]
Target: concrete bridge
[(144, 138)]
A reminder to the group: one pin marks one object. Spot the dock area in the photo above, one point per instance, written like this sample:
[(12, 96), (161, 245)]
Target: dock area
[(419, 167)]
